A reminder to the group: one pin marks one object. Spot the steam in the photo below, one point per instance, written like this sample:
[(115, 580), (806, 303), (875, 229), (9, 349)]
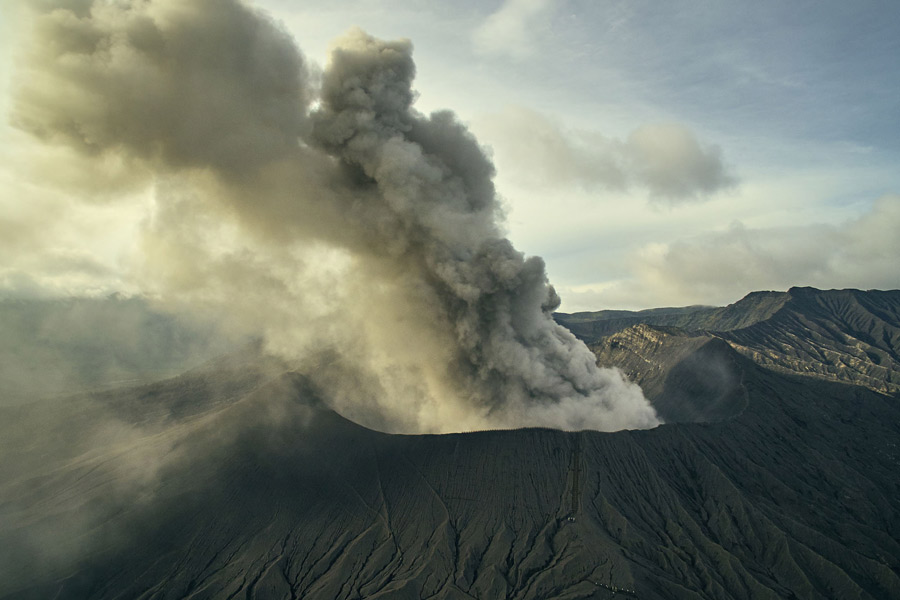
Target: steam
[(360, 236)]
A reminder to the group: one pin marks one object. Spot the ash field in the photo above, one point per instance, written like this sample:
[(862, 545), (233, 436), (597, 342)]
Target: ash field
[(775, 475)]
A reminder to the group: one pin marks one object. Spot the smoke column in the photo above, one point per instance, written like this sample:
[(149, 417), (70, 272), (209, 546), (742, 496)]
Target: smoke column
[(432, 319)]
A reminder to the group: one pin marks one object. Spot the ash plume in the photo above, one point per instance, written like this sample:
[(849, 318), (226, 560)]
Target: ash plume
[(359, 235)]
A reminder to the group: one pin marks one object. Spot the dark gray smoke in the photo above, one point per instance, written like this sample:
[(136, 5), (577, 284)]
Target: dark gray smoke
[(361, 227)]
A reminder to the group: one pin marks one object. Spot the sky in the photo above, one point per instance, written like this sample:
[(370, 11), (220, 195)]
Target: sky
[(653, 154)]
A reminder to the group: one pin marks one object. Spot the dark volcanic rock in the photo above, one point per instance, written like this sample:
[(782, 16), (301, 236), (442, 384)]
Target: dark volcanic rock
[(842, 335), (267, 494), (689, 377), (755, 307), (839, 335)]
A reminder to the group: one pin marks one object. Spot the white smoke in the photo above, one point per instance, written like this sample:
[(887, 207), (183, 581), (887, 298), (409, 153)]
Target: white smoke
[(361, 236)]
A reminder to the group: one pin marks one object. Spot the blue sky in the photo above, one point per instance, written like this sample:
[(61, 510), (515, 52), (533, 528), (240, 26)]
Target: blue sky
[(653, 153)]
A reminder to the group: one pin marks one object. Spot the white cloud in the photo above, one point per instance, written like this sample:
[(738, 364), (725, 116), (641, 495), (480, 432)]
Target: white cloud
[(666, 160), (722, 267), (510, 29), (674, 166)]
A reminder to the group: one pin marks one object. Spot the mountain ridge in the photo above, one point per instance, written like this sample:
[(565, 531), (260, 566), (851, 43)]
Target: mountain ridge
[(840, 335), (238, 480)]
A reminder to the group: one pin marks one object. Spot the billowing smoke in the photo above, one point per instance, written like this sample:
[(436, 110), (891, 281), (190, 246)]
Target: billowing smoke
[(360, 236)]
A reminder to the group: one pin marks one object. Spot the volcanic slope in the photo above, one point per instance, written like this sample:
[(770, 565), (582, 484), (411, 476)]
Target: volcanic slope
[(840, 335), (254, 489), (55, 347)]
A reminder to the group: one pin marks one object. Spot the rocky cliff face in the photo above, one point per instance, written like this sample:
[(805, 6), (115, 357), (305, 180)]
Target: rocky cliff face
[(689, 377), (237, 482), (838, 335)]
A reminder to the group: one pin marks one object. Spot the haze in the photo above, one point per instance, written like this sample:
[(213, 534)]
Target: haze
[(652, 155)]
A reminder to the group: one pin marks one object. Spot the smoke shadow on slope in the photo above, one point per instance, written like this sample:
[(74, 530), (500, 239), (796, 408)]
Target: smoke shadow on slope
[(705, 386)]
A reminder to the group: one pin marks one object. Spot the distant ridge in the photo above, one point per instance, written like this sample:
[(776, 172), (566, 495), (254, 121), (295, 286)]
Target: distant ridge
[(840, 335), (754, 307)]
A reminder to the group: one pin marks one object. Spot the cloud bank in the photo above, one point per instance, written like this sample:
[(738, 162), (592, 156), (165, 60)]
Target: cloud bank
[(721, 267), (665, 159), (360, 236)]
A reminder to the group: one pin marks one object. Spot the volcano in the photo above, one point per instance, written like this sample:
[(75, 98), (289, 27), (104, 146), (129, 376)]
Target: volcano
[(774, 476)]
